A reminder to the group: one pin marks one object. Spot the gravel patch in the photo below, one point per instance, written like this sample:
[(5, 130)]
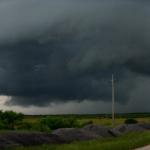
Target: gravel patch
[(27, 139), (73, 134), (121, 129), (100, 130)]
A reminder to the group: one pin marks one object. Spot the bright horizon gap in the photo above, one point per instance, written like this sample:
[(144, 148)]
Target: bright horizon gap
[(84, 107)]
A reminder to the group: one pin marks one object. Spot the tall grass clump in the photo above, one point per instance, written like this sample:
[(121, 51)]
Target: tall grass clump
[(59, 122)]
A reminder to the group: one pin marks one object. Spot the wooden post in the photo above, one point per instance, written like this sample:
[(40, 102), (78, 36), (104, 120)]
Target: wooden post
[(113, 100)]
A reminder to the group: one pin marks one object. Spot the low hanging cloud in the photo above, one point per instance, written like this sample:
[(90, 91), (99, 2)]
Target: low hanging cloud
[(59, 51)]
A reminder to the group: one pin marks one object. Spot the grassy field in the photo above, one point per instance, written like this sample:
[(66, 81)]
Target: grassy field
[(108, 121), (95, 119), (125, 142)]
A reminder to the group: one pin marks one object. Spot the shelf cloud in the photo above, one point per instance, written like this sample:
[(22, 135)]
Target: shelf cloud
[(60, 51)]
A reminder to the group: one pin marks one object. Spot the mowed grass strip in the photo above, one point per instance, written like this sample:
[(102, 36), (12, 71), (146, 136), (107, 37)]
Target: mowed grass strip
[(126, 142)]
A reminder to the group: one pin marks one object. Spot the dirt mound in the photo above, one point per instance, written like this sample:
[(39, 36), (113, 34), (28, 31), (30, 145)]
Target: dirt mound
[(73, 134), (128, 128), (65, 135), (145, 126), (4, 143), (99, 130), (27, 139), (88, 132)]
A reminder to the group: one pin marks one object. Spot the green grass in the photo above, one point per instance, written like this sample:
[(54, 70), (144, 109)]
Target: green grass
[(94, 119), (108, 121), (125, 142)]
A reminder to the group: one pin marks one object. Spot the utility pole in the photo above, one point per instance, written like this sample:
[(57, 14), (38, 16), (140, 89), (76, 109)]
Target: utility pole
[(113, 100)]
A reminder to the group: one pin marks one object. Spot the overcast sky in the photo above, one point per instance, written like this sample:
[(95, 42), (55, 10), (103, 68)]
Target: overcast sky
[(57, 56)]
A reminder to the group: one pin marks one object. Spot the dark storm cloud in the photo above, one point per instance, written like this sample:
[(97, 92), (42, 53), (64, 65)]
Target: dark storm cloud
[(61, 51)]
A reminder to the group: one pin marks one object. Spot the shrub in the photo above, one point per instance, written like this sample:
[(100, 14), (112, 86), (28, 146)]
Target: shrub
[(59, 122), (25, 126), (2, 125), (86, 123), (10, 119), (41, 127), (130, 121)]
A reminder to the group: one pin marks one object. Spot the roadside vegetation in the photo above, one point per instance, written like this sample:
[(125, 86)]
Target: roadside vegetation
[(10, 120), (126, 142), (27, 126), (130, 121)]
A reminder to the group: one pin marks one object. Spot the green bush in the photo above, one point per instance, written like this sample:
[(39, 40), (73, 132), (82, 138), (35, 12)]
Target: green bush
[(2, 125), (10, 119), (41, 127), (59, 122), (130, 121), (36, 126), (86, 123), (25, 126)]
